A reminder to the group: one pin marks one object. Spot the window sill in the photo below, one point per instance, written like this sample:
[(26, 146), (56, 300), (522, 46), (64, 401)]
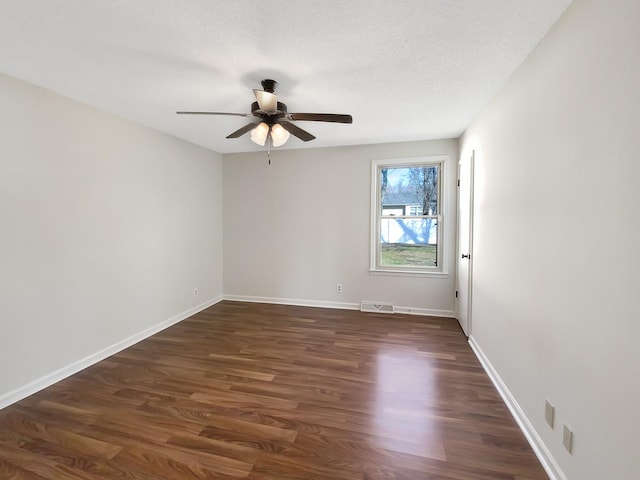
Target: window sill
[(409, 273)]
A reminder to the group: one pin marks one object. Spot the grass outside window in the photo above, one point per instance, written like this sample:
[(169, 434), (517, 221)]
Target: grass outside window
[(399, 254)]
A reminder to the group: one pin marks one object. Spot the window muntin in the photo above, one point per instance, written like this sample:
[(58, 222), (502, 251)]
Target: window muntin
[(406, 215)]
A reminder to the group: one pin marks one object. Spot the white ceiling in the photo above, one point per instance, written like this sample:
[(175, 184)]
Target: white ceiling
[(406, 70)]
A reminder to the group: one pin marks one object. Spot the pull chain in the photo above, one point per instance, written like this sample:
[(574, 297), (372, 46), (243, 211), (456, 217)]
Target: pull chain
[(269, 148)]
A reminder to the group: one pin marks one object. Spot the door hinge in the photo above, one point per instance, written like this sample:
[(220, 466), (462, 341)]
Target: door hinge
[(456, 293), (458, 182)]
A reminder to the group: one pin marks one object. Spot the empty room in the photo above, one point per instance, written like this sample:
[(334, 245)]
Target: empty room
[(319, 240)]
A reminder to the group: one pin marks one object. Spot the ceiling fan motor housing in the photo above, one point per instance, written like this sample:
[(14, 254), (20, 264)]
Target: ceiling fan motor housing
[(269, 118)]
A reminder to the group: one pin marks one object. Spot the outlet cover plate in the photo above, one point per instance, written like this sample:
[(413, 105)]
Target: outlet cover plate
[(549, 413), (567, 438)]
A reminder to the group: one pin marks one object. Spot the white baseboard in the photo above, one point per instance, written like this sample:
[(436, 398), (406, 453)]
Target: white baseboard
[(429, 312), (539, 448), (64, 372), (342, 305), (293, 301)]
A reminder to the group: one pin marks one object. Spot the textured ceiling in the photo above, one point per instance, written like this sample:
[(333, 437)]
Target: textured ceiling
[(405, 70)]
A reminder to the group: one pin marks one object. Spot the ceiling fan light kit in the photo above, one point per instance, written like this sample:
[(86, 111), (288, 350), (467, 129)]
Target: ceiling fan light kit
[(279, 135), (274, 126), (268, 101), (259, 134)]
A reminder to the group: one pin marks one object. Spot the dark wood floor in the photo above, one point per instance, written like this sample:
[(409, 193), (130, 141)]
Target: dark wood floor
[(268, 392)]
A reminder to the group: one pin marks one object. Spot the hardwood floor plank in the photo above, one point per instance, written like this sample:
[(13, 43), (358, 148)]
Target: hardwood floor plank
[(216, 447), (39, 465), (14, 472), (257, 430), (274, 392)]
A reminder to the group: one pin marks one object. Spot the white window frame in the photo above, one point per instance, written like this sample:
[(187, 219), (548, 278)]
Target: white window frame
[(376, 205)]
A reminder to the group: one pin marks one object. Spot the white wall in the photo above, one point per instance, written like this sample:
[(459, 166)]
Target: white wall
[(556, 314), (297, 227), (107, 227)]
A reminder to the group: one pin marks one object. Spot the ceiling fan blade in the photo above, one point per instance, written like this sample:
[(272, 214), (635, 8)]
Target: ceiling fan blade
[(321, 117), (297, 131), (267, 101), (243, 130), (215, 113)]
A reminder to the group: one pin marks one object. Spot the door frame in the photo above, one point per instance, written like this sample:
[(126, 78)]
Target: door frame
[(469, 286)]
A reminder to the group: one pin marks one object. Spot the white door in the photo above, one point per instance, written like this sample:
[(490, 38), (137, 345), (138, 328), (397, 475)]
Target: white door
[(464, 262)]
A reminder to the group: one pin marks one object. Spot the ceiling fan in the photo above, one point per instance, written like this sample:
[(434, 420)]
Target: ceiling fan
[(273, 122)]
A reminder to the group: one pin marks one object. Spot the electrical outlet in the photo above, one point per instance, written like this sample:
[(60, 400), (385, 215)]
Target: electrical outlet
[(549, 413), (567, 438), (339, 287), (195, 292)]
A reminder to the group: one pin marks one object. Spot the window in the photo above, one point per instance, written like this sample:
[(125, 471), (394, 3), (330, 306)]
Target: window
[(407, 215)]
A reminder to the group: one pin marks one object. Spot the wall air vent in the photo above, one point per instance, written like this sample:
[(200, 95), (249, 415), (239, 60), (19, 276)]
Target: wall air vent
[(377, 307)]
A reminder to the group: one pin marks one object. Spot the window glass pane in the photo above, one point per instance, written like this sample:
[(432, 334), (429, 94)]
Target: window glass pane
[(406, 215), (408, 242), (409, 190)]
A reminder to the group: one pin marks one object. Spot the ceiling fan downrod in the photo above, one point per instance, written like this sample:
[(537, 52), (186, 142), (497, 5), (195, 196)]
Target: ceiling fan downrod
[(269, 85)]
